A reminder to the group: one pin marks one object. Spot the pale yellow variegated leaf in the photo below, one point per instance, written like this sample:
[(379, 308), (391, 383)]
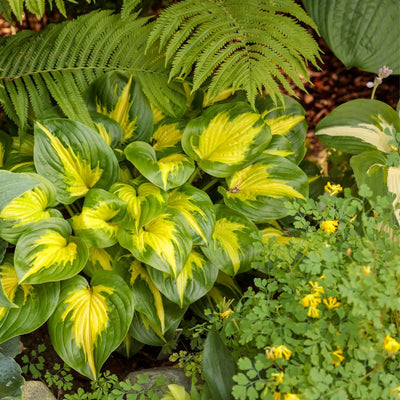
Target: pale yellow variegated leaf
[(166, 136), (283, 124), (393, 184)]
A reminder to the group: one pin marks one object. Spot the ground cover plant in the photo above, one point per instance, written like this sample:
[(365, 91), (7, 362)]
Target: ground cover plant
[(144, 168)]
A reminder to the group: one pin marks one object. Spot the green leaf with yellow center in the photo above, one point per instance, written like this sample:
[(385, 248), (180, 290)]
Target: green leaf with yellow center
[(167, 137), (144, 202), (194, 281), (286, 119), (164, 243), (358, 126), (198, 210), (109, 129), (119, 97), (235, 242), (47, 253), (32, 305), (102, 259), (25, 199), (98, 223), (225, 137), (260, 189), (167, 173), (74, 157), (90, 321)]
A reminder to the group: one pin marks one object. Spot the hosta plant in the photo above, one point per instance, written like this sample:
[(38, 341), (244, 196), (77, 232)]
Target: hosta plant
[(112, 233)]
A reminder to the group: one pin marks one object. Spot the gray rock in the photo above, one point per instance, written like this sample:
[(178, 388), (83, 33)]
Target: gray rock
[(176, 375), (36, 390)]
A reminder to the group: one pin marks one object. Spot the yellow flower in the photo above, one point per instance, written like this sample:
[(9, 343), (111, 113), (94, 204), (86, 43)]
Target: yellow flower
[(313, 312), (338, 357), (316, 287), (291, 396), (367, 270), (391, 345), (226, 313), (272, 353), (311, 300), (396, 389), (332, 189), (329, 226), (331, 302), (277, 396), (278, 377)]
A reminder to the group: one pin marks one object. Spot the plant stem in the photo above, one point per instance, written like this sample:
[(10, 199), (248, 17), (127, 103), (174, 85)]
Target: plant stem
[(69, 209), (209, 184), (195, 173)]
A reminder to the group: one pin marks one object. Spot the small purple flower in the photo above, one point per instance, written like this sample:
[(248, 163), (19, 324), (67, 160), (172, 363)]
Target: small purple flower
[(384, 72), (370, 84)]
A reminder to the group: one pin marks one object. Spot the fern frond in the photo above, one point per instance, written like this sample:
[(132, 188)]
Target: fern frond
[(62, 60), (253, 44)]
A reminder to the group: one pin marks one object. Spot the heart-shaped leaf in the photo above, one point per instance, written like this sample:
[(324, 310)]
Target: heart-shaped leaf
[(260, 189), (48, 253), (74, 157), (24, 200), (167, 137), (225, 137), (235, 242), (167, 173), (91, 321), (198, 210), (98, 223)]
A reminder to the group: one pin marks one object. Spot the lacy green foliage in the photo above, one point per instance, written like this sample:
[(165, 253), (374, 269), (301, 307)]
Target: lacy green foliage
[(249, 45), (331, 300), (62, 60)]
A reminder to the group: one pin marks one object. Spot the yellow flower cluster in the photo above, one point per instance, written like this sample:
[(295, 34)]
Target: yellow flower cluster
[(391, 345), (396, 389), (287, 396), (329, 226), (337, 357), (332, 189), (226, 313), (313, 300), (272, 353)]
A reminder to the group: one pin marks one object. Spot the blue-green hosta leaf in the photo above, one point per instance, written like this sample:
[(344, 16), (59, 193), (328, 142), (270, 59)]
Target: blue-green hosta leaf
[(90, 321), (194, 281), (24, 200), (235, 242), (167, 173), (48, 253), (144, 202), (225, 137), (164, 243), (11, 379), (74, 157), (109, 129), (98, 223), (119, 97), (286, 120), (260, 189), (143, 329), (167, 137), (370, 168), (358, 126), (198, 210), (363, 34), (32, 307)]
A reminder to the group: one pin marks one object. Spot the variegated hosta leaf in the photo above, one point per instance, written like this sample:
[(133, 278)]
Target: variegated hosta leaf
[(119, 97), (24, 200), (164, 243), (144, 201), (270, 232), (90, 321), (32, 307), (167, 135), (143, 330), (280, 146), (225, 137), (235, 242), (19, 158), (74, 157), (194, 281), (224, 287), (98, 223), (358, 126), (370, 168), (167, 173), (47, 252), (102, 259), (198, 210), (109, 129), (260, 189), (286, 120)]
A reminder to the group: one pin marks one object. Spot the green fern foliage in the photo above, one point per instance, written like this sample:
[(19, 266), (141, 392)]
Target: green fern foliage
[(60, 62), (252, 44)]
